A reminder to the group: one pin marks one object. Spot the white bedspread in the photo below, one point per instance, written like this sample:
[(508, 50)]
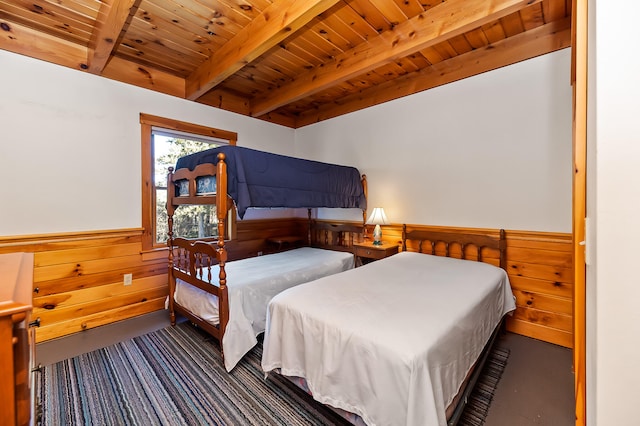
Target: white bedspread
[(391, 341), (251, 284)]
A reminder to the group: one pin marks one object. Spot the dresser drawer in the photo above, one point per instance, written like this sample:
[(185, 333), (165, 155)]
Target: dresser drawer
[(367, 252), (371, 253)]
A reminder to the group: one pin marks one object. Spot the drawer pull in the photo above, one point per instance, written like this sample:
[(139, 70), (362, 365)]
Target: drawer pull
[(35, 323)]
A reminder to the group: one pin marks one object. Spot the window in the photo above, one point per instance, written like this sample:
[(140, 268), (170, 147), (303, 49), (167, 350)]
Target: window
[(163, 142), (188, 221)]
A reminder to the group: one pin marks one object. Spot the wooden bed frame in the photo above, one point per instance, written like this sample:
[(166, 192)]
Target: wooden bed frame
[(196, 262), (481, 247), (201, 256)]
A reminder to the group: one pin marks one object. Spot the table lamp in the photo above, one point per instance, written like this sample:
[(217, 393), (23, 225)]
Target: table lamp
[(377, 218)]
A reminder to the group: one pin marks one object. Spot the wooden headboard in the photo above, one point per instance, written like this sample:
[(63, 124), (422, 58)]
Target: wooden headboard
[(333, 236), (489, 248)]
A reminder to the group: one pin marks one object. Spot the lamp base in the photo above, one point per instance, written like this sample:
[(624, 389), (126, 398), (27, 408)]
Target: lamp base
[(377, 236)]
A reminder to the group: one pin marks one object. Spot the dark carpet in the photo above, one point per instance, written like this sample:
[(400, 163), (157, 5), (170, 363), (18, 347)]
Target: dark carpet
[(175, 376)]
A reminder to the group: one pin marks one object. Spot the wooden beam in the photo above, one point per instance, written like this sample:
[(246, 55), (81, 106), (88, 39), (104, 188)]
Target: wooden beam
[(112, 18), (278, 21), (448, 19), (542, 40), (227, 101), (223, 99)]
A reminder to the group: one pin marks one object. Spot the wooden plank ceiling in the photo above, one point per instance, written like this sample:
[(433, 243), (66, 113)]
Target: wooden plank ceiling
[(288, 62)]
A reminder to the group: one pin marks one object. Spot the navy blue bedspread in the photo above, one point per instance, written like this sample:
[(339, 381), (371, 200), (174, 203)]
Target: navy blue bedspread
[(262, 179)]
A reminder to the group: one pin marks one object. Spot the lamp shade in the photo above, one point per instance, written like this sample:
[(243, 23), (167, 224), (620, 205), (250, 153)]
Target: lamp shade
[(378, 217)]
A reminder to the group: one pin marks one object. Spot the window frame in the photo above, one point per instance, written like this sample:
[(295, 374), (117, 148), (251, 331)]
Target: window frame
[(147, 122)]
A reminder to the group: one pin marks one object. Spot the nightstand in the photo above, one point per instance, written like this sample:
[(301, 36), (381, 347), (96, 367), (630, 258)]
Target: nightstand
[(367, 252)]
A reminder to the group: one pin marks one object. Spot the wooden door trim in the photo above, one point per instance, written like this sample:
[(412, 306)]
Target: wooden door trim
[(579, 82)]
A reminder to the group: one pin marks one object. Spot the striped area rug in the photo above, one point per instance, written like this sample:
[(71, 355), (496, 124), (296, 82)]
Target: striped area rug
[(480, 399), (175, 376)]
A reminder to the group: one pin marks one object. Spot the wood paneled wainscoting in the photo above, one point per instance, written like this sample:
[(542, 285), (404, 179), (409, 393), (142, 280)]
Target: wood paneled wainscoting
[(540, 267), (79, 277)]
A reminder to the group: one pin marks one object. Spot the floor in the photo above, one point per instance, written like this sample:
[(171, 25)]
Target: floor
[(536, 387)]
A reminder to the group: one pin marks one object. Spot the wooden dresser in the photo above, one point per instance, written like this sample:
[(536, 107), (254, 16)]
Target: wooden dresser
[(17, 342)]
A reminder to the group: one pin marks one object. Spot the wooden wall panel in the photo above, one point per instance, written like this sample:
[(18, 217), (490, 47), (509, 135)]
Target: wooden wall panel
[(540, 267), (78, 277), (75, 325)]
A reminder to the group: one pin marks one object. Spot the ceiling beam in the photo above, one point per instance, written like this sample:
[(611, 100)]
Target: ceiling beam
[(542, 40), (448, 19), (220, 98), (112, 18), (278, 21)]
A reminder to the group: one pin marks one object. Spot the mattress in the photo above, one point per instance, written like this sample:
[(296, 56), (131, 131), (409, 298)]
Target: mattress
[(251, 284), (391, 341)]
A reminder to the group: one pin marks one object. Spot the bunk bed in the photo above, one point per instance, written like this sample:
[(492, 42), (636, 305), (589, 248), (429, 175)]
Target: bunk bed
[(401, 340), (234, 310)]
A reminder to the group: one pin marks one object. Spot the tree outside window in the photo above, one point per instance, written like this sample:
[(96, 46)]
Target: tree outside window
[(188, 221)]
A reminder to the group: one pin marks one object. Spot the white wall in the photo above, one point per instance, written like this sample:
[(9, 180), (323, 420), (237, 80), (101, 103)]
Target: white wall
[(497, 145), (613, 286), (65, 126), (491, 151), (503, 153)]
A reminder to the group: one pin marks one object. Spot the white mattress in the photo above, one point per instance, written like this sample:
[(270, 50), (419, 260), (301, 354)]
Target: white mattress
[(391, 341), (251, 284)]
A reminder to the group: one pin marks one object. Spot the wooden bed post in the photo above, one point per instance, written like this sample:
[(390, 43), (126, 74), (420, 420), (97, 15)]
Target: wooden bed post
[(503, 249), (171, 189), (221, 211), (309, 226), (364, 211), (404, 237)]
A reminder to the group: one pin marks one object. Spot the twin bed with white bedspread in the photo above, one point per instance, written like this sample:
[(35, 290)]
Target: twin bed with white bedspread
[(233, 310), (392, 341), (255, 281)]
